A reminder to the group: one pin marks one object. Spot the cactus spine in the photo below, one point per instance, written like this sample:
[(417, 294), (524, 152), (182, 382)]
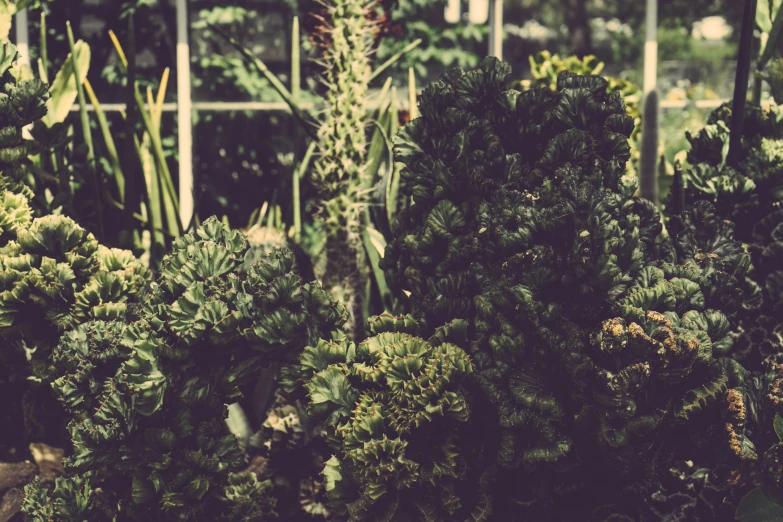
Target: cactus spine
[(340, 172)]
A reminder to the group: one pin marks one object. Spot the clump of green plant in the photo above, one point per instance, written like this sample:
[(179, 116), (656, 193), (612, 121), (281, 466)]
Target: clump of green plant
[(21, 103), (545, 68), (54, 275), (600, 346), (147, 395), (393, 406), (748, 192)]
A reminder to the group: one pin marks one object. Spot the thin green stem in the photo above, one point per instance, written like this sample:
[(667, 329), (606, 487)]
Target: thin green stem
[(86, 130)]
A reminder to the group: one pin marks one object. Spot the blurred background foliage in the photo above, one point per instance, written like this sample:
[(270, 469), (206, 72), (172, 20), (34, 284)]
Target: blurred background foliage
[(244, 159)]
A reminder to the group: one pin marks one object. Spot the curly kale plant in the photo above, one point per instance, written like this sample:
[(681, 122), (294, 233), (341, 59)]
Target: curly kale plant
[(21, 103), (148, 396), (393, 405), (600, 346), (749, 193)]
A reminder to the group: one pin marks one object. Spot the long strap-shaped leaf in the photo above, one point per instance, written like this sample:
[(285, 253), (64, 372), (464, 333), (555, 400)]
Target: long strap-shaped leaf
[(273, 80), (391, 61), (86, 130), (157, 145), (111, 147)]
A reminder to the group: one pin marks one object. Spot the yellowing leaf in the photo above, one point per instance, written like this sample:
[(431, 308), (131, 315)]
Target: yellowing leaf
[(63, 89), (377, 240)]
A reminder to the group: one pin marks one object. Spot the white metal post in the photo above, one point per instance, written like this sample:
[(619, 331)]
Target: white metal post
[(184, 116), (496, 28), (651, 47), (22, 31), (22, 37)]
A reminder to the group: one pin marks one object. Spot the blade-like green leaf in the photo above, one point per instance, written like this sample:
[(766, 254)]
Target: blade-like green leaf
[(779, 427), (63, 90), (375, 244), (111, 147), (759, 506)]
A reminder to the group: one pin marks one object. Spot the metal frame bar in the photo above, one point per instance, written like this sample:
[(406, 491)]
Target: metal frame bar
[(22, 34), (495, 29), (184, 117)]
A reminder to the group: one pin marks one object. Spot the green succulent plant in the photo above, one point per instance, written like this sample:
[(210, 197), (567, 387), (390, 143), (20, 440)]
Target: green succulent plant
[(545, 68), (750, 194), (53, 276), (147, 393), (601, 347), (393, 405), (21, 103)]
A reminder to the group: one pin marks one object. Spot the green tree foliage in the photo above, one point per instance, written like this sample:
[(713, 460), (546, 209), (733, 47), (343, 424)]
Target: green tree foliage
[(600, 345)]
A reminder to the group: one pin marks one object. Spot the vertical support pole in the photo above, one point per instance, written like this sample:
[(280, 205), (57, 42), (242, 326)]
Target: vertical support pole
[(453, 11), (22, 37), (496, 29), (651, 47), (648, 157), (184, 117), (741, 83)]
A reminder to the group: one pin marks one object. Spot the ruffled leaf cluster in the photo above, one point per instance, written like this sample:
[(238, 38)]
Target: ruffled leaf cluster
[(394, 405), (598, 344), (749, 193), (148, 394), (54, 276), (21, 103)]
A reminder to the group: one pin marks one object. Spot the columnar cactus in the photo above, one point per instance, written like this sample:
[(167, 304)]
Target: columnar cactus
[(340, 172), (148, 395), (394, 405), (599, 344)]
